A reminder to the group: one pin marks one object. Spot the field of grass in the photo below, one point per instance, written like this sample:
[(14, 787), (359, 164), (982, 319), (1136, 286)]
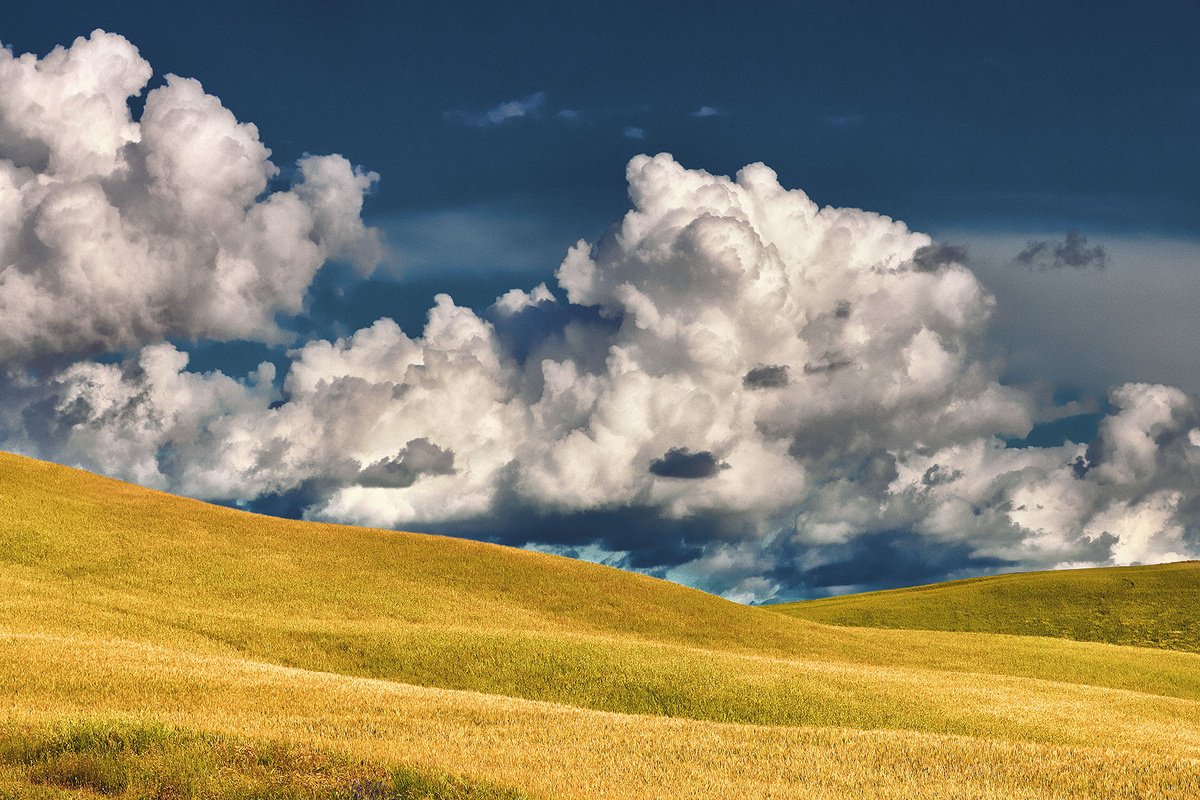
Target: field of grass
[(369, 655), (1150, 606)]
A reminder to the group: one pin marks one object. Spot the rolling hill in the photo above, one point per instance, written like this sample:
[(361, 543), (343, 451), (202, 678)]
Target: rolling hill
[(148, 641), (1146, 606)]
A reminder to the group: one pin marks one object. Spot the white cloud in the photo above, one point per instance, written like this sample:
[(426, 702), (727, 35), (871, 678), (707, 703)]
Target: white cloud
[(502, 113), (117, 232)]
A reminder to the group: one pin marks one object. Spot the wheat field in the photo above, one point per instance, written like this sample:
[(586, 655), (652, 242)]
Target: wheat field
[(361, 658)]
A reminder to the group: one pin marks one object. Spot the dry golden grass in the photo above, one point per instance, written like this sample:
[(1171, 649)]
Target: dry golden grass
[(560, 751), (569, 679)]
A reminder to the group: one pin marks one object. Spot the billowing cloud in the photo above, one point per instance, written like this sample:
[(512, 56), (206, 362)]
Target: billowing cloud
[(1071, 253), (733, 387), (115, 232)]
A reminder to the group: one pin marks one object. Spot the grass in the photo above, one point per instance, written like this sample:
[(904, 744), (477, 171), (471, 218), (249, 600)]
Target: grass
[(1146, 606), (129, 760), (119, 605), (558, 751)]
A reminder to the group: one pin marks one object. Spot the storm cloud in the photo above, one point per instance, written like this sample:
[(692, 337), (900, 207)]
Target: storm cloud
[(771, 376), (733, 387), (933, 257), (679, 462), (1071, 253), (417, 458)]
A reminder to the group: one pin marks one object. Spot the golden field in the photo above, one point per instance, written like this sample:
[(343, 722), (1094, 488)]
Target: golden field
[(1149, 606), (359, 657)]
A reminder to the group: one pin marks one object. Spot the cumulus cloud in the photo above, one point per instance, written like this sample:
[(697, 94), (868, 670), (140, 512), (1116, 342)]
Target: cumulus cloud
[(1071, 253), (116, 232), (733, 387)]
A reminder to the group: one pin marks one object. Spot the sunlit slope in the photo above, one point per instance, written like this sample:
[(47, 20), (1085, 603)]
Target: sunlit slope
[(1088, 742), (119, 605), (1150, 606), (87, 556)]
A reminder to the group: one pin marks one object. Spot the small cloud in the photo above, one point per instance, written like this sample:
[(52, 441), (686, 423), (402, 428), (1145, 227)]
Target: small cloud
[(770, 376), (706, 111), (830, 365), (500, 114), (937, 475), (933, 257), (569, 115), (1072, 252), (679, 462), (843, 121), (634, 133)]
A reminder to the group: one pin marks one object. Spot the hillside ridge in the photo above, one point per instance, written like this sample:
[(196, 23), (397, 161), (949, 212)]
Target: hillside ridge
[(1154, 605)]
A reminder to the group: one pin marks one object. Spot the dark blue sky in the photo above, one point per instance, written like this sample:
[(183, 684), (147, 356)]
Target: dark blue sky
[(979, 115)]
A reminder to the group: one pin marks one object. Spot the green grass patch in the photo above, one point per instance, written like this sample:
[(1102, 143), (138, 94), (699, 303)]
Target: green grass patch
[(153, 762)]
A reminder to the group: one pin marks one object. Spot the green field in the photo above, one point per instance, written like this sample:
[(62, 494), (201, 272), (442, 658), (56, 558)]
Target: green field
[(1151, 606), (447, 668)]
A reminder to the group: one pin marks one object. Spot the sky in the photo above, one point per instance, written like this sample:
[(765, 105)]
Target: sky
[(777, 300)]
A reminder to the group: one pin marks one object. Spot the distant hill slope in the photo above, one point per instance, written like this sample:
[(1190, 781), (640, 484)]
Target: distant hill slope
[(1146, 606), (123, 606)]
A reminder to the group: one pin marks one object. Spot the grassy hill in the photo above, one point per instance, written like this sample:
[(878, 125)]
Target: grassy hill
[(1149, 606), (360, 658)]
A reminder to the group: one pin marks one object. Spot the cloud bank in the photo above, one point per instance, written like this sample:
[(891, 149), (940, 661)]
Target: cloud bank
[(733, 387)]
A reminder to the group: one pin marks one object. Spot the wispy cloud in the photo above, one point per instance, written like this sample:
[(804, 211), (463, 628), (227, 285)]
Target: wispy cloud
[(634, 133), (501, 113), (706, 111)]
